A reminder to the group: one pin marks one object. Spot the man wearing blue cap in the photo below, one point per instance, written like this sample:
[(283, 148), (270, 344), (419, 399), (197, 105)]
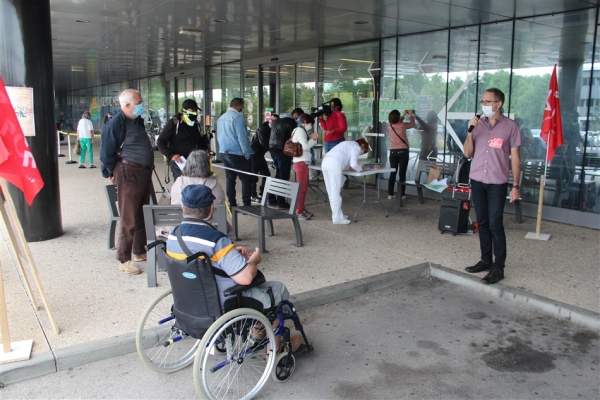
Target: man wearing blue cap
[(240, 264)]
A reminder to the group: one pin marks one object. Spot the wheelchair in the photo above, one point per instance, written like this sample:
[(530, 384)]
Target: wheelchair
[(233, 352)]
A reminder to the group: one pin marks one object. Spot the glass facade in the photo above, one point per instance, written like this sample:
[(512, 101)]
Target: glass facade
[(440, 74)]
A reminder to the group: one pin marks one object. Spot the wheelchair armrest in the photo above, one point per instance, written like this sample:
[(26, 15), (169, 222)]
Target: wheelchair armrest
[(155, 243), (258, 280)]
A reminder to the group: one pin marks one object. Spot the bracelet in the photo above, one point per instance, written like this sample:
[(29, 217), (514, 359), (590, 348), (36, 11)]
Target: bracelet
[(516, 187)]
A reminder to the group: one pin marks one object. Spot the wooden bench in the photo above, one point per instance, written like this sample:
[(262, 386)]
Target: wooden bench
[(263, 213), (111, 197), (448, 169), (155, 215)]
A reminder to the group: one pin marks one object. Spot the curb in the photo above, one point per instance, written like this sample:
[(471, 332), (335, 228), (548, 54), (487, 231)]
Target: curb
[(97, 350)]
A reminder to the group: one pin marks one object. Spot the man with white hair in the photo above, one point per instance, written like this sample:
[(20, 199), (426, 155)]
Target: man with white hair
[(127, 161)]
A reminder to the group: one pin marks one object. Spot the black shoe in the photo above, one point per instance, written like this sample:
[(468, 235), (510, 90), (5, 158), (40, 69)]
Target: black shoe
[(479, 267), (81, 166), (494, 276), (284, 206)]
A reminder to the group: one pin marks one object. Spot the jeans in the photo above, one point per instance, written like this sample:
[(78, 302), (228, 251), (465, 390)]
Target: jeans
[(398, 158), (242, 164), (489, 200), (133, 191), (283, 168), (301, 170), (330, 145)]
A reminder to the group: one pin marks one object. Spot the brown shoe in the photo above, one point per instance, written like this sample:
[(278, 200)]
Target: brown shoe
[(140, 257), (128, 267)]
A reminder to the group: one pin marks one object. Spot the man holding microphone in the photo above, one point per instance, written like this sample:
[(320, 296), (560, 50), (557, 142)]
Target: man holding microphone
[(493, 141)]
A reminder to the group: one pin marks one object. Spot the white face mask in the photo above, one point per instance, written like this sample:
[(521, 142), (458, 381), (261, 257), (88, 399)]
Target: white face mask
[(487, 110), (308, 127)]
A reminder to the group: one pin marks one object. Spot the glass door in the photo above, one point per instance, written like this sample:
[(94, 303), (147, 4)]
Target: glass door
[(253, 119)]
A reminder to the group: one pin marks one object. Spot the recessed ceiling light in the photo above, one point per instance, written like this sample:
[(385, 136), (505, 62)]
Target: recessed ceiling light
[(361, 22), (57, 39), (76, 68), (220, 20), (166, 39), (190, 31), (83, 21)]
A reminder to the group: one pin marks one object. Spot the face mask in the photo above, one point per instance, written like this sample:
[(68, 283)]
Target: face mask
[(298, 121), (138, 110), (308, 127), (188, 120), (109, 116), (270, 125), (487, 111)]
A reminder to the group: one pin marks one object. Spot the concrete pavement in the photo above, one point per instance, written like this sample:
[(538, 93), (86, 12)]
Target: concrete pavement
[(95, 304)]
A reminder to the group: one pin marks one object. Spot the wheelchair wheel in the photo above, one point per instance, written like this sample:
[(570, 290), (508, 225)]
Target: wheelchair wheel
[(284, 367), (245, 366), (155, 329)]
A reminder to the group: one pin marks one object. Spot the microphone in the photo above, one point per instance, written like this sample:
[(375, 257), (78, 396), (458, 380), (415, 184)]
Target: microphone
[(478, 115)]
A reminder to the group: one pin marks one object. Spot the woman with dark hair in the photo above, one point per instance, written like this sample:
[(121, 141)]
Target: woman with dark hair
[(399, 148), (85, 135)]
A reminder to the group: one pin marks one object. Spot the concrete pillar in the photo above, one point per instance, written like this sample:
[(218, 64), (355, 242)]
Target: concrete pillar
[(26, 60)]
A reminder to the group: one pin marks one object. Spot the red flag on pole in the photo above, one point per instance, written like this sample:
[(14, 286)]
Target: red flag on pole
[(552, 125), (17, 165)]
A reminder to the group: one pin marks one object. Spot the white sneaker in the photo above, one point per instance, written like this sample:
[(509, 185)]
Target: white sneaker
[(390, 197), (342, 222), (403, 197)]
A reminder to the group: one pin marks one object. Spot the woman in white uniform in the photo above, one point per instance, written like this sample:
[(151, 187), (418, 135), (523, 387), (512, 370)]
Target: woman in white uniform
[(341, 157)]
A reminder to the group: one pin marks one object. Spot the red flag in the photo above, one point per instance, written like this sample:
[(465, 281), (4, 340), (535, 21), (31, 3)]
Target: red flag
[(552, 125), (17, 165)]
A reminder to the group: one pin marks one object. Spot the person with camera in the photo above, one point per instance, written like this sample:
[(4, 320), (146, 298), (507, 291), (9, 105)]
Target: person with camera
[(334, 127), (399, 148), (281, 132), (179, 139)]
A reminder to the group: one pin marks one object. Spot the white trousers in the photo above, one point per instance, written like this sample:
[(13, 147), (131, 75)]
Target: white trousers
[(334, 179)]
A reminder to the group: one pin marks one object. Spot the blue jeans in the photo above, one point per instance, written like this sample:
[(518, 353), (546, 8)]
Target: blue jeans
[(283, 168), (330, 145), (242, 164), (489, 200)]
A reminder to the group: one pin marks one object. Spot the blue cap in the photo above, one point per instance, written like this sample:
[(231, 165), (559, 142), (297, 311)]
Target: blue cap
[(197, 196)]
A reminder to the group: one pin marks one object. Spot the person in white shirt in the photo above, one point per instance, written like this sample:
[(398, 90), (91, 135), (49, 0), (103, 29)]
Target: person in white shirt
[(85, 134), (300, 135), (342, 156)]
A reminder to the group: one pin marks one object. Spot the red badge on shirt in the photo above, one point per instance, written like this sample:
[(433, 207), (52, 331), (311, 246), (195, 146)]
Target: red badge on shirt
[(496, 143)]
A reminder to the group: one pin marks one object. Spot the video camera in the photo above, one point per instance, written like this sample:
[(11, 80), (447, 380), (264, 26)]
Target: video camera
[(320, 110)]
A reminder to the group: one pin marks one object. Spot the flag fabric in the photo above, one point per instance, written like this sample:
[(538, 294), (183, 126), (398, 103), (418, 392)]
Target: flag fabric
[(17, 165), (552, 132)]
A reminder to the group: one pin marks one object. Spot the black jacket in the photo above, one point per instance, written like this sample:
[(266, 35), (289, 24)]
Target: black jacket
[(281, 132), (260, 140), (113, 136), (179, 138)]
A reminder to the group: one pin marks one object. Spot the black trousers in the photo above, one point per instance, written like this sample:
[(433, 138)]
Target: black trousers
[(242, 164)]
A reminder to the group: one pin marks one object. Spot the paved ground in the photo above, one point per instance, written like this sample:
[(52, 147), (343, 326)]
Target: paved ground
[(423, 339), (93, 301)]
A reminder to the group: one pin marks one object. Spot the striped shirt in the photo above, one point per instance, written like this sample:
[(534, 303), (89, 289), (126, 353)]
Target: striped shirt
[(222, 251)]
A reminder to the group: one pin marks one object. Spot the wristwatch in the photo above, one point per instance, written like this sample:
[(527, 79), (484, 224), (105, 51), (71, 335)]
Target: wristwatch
[(517, 187)]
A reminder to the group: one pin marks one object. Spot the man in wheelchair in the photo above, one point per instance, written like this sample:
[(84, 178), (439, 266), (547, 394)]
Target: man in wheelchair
[(240, 265)]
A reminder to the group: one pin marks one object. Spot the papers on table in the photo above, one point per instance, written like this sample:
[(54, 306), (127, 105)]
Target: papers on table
[(182, 163), (437, 186)]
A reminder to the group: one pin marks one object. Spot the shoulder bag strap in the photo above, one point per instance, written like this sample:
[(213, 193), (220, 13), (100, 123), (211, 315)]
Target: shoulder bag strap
[(187, 250), (399, 137)]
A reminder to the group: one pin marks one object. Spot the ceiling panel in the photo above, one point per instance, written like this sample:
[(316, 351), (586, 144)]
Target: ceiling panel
[(126, 39)]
